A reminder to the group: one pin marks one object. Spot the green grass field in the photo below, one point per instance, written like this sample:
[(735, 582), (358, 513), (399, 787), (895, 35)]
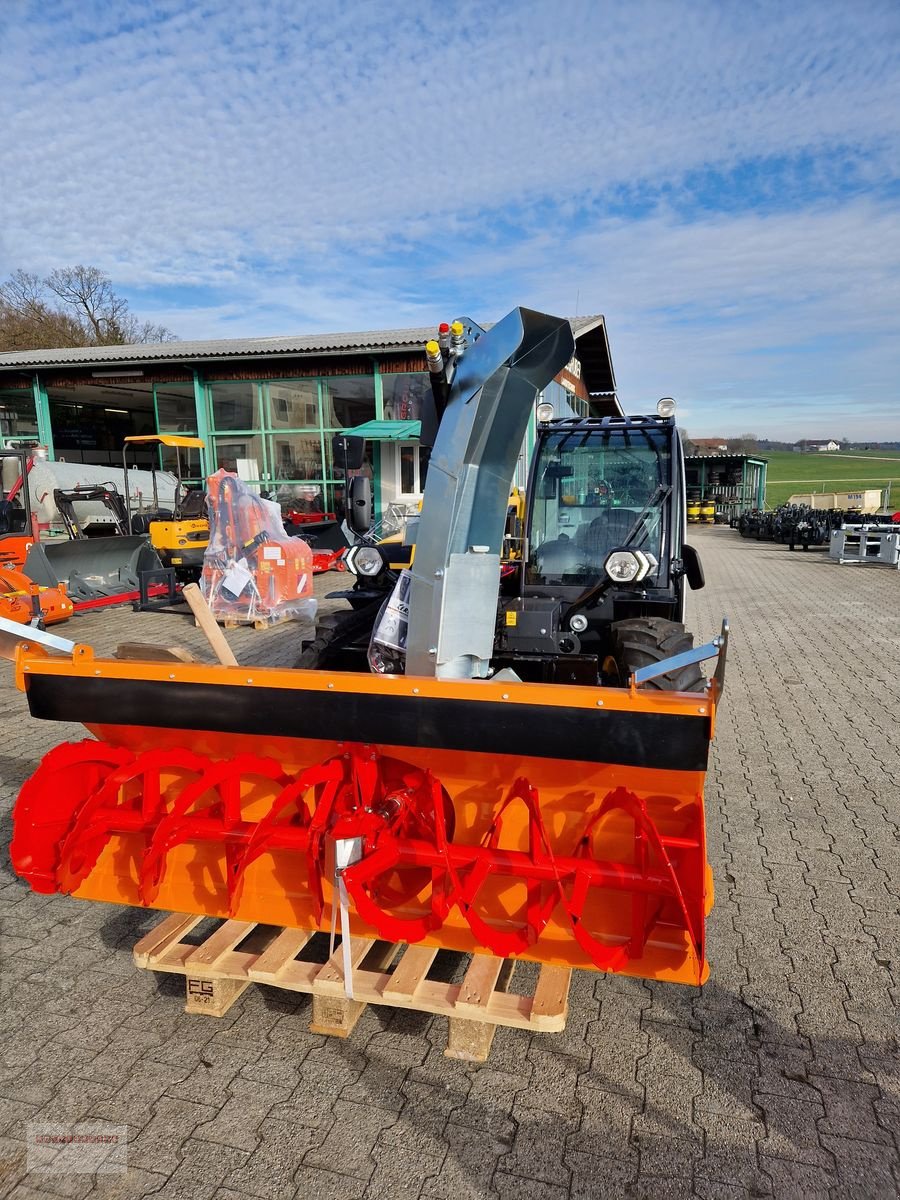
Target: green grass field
[(848, 471)]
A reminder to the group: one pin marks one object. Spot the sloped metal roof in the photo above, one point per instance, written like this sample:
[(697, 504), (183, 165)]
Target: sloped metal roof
[(371, 342), (589, 331)]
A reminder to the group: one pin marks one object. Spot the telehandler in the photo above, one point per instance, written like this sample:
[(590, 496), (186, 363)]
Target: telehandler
[(520, 789)]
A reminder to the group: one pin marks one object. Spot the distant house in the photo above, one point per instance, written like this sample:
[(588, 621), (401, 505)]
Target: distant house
[(710, 445), (807, 446)]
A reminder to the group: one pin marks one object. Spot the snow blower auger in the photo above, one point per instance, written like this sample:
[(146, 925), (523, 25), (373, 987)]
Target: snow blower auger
[(451, 802)]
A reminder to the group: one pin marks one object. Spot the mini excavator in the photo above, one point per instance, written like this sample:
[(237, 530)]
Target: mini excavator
[(517, 785)]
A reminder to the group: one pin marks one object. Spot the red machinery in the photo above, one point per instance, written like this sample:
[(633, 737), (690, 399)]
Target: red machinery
[(252, 570)]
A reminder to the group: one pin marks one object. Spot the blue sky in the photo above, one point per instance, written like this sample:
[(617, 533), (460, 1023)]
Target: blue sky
[(721, 180)]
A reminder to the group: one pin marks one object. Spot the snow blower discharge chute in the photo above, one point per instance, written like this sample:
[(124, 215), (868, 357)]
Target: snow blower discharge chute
[(524, 798)]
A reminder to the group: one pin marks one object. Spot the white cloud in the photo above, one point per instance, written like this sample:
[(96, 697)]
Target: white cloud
[(326, 165)]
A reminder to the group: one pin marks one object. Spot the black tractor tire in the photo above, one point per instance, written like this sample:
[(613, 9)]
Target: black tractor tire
[(641, 641), (335, 632)]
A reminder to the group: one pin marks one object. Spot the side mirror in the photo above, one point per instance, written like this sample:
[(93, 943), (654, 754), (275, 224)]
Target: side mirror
[(359, 504), (347, 452), (693, 568)]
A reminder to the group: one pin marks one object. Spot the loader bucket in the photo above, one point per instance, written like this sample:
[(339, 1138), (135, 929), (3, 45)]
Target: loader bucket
[(92, 568), (561, 825)]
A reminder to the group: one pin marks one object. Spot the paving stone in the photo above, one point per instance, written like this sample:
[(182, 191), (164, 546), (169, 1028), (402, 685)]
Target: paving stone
[(157, 1147), (605, 1123), (326, 1185), (380, 1085), (512, 1187), (203, 1168), (660, 1187), (849, 1110), (598, 1177), (467, 1168), (270, 1169), (487, 1104), (793, 1180), (131, 1185), (402, 1174), (238, 1121), (730, 1154), (728, 1087), (146, 1082), (347, 1149), (216, 1068), (667, 1156), (14, 1115), (863, 1168), (12, 1163), (538, 1148), (553, 1083)]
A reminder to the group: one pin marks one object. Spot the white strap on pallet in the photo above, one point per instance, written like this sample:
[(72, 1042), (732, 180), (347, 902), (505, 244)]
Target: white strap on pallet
[(346, 852)]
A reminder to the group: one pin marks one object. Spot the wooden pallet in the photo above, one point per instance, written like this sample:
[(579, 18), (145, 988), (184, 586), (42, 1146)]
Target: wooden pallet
[(238, 953), (232, 622)]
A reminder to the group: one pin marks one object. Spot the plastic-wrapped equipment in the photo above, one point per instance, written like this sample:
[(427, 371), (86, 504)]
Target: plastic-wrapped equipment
[(253, 572)]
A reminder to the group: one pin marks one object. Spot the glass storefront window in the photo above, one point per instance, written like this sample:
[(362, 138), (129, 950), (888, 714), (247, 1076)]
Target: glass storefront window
[(190, 462), (404, 394), (412, 465), (334, 467), (348, 401), (565, 402), (295, 455), (18, 418), (293, 405), (235, 405), (301, 497), (175, 408), (335, 494), (242, 455)]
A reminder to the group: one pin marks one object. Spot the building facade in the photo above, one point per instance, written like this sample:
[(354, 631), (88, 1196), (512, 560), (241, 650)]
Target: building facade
[(266, 408)]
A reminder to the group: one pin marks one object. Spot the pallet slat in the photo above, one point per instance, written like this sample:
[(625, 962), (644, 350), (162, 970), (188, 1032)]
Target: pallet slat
[(410, 973), (478, 985), (279, 955), (219, 943), (171, 930), (551, 997)]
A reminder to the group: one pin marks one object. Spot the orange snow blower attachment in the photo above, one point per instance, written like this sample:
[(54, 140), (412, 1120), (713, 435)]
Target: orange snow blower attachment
[(521, 820), (452, 803)]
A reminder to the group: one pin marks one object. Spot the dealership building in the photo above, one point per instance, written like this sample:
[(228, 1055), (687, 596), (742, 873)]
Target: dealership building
[(266, 408)]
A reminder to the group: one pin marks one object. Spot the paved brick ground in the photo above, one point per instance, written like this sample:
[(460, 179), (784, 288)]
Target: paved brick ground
[(780, 1078)]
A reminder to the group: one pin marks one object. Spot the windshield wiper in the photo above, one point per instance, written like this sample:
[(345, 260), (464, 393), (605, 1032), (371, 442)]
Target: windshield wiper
[(658, 498), (596, 590)]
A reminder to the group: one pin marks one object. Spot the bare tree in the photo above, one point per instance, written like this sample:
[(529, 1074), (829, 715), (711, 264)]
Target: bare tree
[(746, 443), (72, 306)]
